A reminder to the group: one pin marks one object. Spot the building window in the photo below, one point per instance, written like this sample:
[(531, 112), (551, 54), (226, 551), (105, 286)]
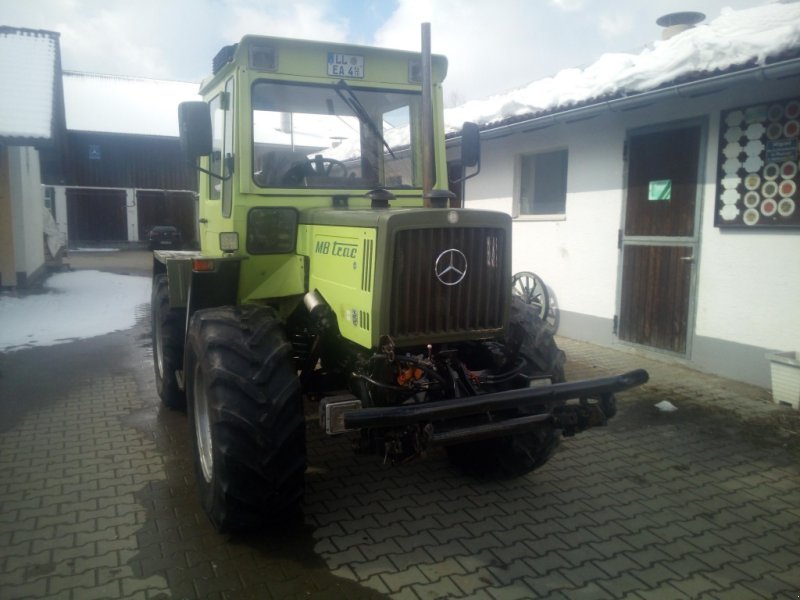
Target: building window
[(543, 183)]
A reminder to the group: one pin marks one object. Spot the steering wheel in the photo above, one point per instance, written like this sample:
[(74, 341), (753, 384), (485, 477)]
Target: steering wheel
[(324, 166)]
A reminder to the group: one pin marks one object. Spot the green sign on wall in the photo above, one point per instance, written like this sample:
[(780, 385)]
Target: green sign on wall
[(660, 189)]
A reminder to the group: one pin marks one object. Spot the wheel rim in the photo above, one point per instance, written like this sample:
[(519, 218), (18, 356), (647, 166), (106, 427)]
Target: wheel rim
[(159, 346), (532, 291), (202, 424)]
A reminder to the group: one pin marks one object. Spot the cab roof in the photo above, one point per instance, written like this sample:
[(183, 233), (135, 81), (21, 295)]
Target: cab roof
[(288, 58)]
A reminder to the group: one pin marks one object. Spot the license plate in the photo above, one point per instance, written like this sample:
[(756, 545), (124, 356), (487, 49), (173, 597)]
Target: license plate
[(345, 65)]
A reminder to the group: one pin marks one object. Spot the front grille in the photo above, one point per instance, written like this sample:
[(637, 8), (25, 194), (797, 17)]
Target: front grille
[(421, 305)]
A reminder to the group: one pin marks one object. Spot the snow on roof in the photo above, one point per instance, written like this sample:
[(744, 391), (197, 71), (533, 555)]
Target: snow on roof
[(27, 70), (127, 105), (734, 39)]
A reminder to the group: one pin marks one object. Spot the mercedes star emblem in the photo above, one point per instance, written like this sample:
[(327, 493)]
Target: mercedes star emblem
[(451, 267)]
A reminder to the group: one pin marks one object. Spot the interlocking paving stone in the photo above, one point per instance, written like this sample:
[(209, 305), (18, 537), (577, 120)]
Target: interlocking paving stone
[(695, 586), (97, 500), (770, 586), (442, 588), (407, 577)]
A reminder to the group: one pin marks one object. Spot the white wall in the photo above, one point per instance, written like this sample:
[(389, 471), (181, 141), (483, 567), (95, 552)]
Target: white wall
[(25, 183), (61, 210), (132, 215), (748, 282), (576, 256)]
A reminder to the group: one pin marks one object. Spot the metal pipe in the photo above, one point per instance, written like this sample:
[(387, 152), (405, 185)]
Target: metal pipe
[(489, 430), (460, 407), (427, 116)]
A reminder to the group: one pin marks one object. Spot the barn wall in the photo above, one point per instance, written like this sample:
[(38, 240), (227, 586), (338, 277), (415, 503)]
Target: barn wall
[(126, 161), (104, 176)]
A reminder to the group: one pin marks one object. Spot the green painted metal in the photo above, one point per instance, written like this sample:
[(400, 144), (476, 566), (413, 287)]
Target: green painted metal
[(337, 226)]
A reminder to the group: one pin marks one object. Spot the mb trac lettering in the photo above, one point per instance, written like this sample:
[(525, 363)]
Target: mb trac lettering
[(342, 249)]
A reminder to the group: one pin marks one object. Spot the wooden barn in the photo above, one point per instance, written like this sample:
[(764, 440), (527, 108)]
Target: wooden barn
[(121, 172)]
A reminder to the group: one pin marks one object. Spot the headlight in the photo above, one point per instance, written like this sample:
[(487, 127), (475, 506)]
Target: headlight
[(229, 241), (271, 230)]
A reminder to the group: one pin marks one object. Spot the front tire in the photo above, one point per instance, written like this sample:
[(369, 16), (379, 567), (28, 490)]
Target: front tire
[(529, 338), (246, 418), (168, 327)]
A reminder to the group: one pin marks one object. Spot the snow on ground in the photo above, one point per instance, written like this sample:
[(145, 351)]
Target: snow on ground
[(75, 305)]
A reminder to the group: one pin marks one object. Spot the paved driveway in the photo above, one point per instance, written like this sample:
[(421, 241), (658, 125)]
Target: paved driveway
[(97, 499)]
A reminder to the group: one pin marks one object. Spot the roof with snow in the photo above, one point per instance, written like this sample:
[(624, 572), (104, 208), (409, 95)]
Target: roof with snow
[(735, 41), (128, 105), (29, 66)]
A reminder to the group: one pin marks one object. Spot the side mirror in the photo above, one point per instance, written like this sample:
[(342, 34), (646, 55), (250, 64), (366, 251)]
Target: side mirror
[(194, 127), (470, 145), (470, 151)]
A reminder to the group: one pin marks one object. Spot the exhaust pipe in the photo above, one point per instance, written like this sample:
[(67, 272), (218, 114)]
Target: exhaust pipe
[(428, 155)]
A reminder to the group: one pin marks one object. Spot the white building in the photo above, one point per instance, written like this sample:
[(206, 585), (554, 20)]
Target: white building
[(656, 193), (31, 119)]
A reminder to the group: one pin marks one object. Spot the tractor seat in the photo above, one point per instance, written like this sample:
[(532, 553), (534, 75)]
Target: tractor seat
[(283, 168)]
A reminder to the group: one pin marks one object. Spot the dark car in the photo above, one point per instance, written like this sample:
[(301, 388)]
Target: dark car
[(164, 236)]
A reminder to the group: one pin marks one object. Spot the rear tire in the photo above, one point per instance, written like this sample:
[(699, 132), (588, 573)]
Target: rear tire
[(246, 418), (168, 327), (509, 456)]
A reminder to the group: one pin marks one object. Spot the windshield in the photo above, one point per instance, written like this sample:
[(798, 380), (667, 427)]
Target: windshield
[(334, 136)]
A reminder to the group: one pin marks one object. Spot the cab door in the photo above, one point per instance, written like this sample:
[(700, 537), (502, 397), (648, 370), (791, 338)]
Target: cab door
[(216, 202)]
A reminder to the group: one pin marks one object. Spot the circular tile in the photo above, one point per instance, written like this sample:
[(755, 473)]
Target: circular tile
[(792, 110), (786, 207), (752, 181), (775, 112), (787, 188), (751, 216), (752, 199), (789, 169), (769, 207), (771, 171)]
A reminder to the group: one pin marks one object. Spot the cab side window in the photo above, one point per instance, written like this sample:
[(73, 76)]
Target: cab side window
[(227, 149), (215, 160)]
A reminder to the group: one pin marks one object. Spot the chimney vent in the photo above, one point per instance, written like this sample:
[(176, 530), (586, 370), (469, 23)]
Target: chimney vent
[(677, 22)]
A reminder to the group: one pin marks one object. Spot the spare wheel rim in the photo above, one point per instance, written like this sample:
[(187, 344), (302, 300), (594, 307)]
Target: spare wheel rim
[(202, 425), (159, 347)]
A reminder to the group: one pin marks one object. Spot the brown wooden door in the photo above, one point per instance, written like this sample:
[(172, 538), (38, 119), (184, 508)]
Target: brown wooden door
[(96, 215), (659, 238)]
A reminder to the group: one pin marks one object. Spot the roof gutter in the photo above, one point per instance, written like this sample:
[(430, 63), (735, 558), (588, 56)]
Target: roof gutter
[(691, 89)]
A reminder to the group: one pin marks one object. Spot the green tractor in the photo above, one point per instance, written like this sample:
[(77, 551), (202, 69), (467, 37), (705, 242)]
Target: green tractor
[(333, 273)]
